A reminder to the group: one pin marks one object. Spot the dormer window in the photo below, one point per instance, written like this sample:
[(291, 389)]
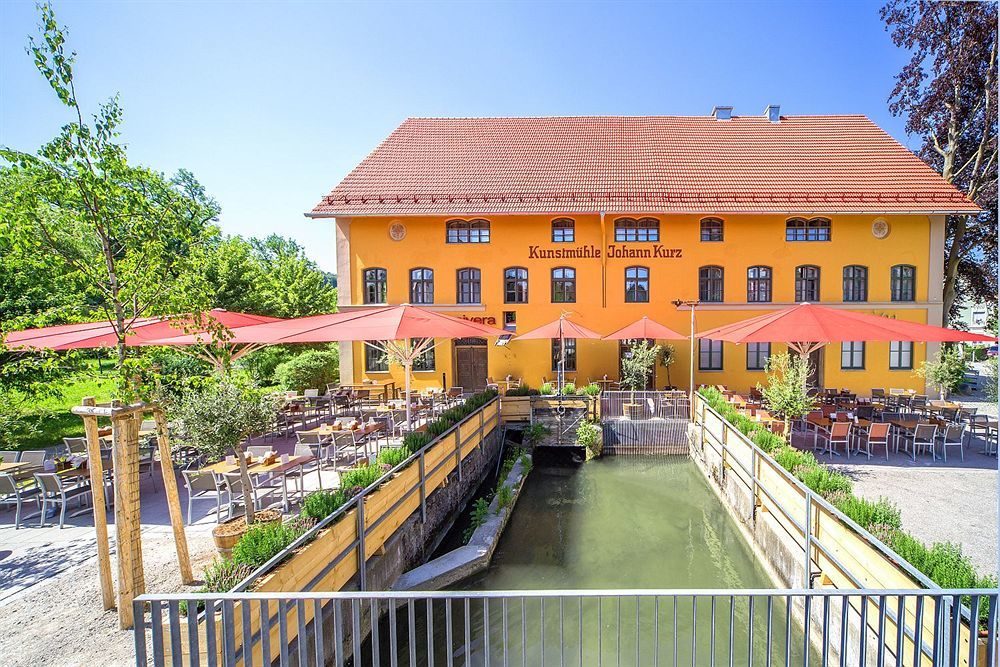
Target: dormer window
[(639, 230), (813, 229), (711, 229), (563, 230), (467, 231)]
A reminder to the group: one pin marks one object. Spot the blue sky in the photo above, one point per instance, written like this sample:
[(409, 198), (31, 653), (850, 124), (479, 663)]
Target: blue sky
[(271, 104)]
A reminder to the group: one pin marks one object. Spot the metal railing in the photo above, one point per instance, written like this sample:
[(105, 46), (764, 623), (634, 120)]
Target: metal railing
[(357, 503), (566, 627), (645, 422)]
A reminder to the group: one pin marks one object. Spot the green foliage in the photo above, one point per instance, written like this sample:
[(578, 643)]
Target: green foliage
[(262, 363), (223, 575), (218, 416), (946, 372), (785, 393), (637, 365), (533, 433), (547, 389), (591, 389), (767, 441), (526, 463), (361, 476), (504, 496), (392, 456), (310, 370), (264, 541), (569, 389), (867, 514), (321, 504), (480, 512), (943, 563), (588, 435), (991, 379), (523, 390), (414, 441), (668, 356)]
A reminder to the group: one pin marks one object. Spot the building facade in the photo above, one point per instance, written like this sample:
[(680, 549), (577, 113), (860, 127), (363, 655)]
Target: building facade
[(514, 222)]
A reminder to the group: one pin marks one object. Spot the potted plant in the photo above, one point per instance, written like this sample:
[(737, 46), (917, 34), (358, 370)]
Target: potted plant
[(786, 393), (668, 355), (637, 367), (216, 418)]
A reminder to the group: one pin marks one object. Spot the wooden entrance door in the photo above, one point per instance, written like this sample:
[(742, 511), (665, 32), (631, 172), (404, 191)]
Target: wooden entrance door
[(471, 363)]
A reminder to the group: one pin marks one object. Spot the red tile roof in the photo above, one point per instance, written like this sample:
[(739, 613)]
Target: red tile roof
[(670, 164)]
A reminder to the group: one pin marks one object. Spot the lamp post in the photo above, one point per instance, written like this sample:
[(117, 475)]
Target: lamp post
[(691, 305)]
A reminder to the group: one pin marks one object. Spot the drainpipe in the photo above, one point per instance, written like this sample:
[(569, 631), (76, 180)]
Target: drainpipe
[(604, 264)]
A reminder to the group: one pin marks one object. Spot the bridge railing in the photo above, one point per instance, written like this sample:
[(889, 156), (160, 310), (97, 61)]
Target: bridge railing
[(559, 627), (645, 422)]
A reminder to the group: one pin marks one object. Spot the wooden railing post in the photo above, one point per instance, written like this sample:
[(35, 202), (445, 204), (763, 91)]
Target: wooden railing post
[(173, 500), (96, 467), (131, 582)]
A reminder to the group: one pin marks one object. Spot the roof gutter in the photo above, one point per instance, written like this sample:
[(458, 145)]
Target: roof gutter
[(397, 214)]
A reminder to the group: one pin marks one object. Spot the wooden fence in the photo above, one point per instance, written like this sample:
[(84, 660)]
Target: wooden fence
[(835, 551), (334, 553)]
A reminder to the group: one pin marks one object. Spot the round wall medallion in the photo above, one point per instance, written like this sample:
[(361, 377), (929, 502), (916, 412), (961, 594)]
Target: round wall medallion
[(880, 228), (397, 231)]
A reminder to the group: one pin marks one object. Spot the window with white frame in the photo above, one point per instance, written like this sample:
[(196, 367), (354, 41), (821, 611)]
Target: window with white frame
[(709, 355), (376, 360), (757, 356), (852, 355), (901, 355)]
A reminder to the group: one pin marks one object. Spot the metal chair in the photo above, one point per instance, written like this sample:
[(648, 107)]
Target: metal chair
[(297, 475), (35, 460), (953, 436), (233, 483), (12, 492), (10, 456), (203, 485), (839, 434), (55, 491), (877, 434), (924, 437), (76, 445)]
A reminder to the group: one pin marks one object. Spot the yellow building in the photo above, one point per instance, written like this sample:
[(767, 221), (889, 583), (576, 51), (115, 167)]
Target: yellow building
[(514, 221)]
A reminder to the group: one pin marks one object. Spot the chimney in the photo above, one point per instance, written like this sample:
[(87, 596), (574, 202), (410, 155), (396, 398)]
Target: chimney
[(722, 113), (773, 113)]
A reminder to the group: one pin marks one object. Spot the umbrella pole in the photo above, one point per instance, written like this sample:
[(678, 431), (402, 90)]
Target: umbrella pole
[(691, 369), (407, 366)]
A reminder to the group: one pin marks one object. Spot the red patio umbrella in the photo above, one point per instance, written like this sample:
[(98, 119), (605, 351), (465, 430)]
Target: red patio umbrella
[(807, 327), (389, 328), (562, 329), (142, 331), (643, 329)]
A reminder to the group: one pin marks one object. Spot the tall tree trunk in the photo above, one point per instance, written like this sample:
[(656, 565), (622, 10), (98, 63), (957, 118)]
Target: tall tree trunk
[(247, 488)]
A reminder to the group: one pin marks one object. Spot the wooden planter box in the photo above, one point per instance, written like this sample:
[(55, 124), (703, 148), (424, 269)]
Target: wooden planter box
[(515, 408)]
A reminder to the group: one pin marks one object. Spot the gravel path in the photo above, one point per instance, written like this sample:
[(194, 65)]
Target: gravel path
[(80, 633)]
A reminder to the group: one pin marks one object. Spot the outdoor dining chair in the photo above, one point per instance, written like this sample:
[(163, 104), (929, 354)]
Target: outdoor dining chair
[(203, 485), (839, 434), (10, 456), (877, 434), (297, 475), (924, 438), (314, 442), (918, 404), (233, 483), (54, 490), (76, 445), (14, 492), (979, 427), (35, 460), (953, 436), (346, 445)]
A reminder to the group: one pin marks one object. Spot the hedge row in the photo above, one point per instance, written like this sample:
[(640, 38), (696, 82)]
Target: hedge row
[(942, 563)]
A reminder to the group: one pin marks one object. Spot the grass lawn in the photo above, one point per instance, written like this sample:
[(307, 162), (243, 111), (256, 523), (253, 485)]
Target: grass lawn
[(52, 415)]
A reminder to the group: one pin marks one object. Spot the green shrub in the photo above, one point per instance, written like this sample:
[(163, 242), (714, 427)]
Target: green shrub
[(867, 513), (533, 433), (414, 441), (321, 504), (480, 512), (261, 364), (504, 496), (790, 458), (588, 435), (547, 389), (526, 463), (392, 456), (309, 370), (767, 441), (264, 541), (363, 476), (569, 389), (591, 389), (523, 390), (824, 481)]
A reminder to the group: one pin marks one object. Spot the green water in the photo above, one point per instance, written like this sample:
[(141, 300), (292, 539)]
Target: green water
[(621, 523), (614, 523)]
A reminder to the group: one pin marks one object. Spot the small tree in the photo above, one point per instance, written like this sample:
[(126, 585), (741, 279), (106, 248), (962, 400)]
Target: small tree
[(946, 372), (218, 416), (668, 355), (786, 392), (638, 364)]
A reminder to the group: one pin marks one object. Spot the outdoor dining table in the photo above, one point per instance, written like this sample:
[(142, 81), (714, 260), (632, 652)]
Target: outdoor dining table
[(278, 467), (387, 388), (11, 466)]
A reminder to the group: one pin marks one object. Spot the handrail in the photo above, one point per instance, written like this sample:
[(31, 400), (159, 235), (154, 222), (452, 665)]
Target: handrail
[(823, 502), (357, 501)]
